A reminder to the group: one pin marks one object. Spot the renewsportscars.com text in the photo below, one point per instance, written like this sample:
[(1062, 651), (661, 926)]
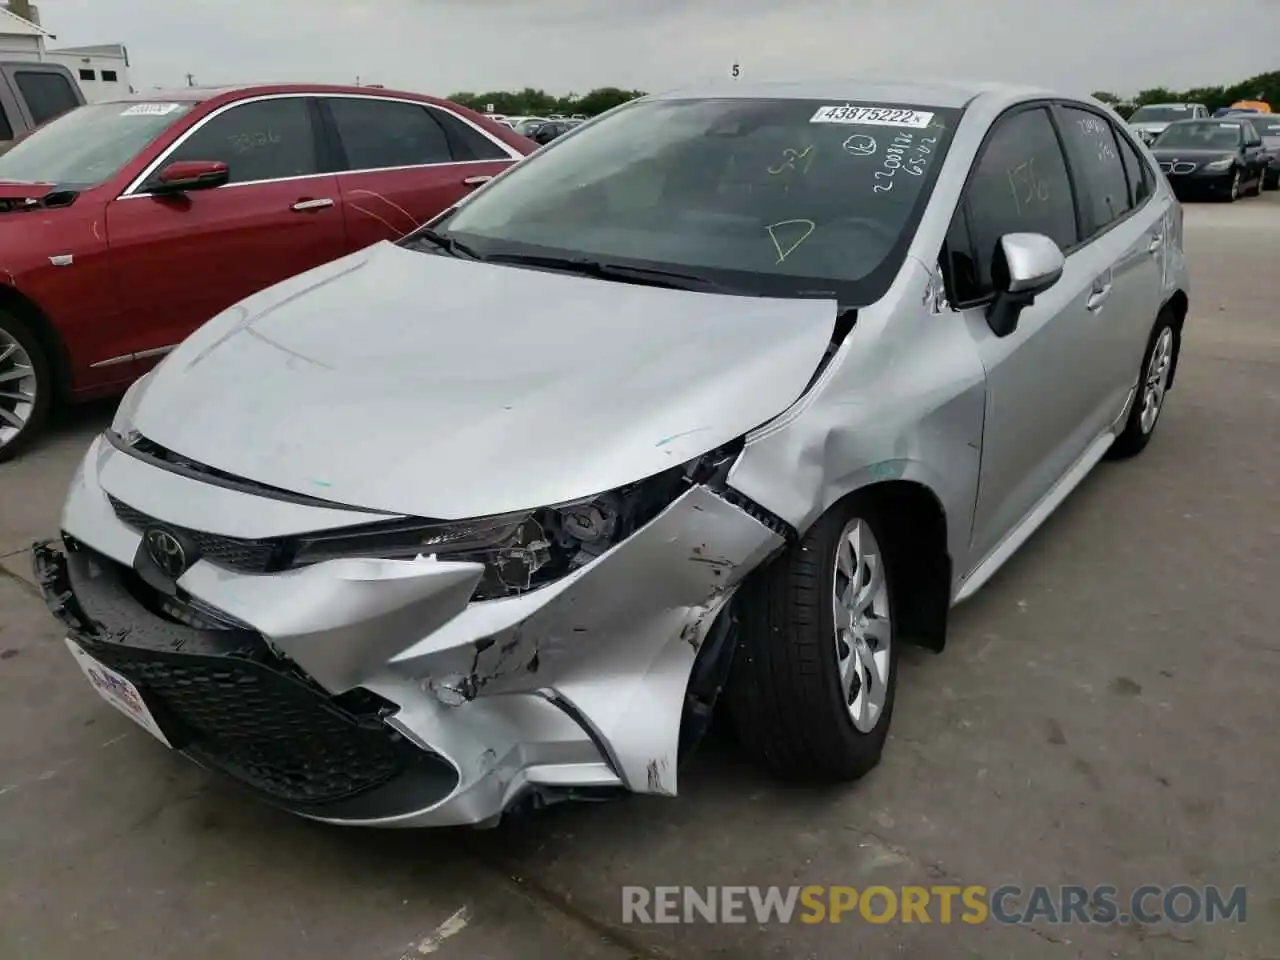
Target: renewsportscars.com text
[(1103, 904)]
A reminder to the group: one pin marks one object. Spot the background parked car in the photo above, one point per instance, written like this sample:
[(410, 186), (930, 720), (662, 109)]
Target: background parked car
[(1151, 120), (546, 132), (131, 223), (1268, 128), (1221, 158), (31, 94)]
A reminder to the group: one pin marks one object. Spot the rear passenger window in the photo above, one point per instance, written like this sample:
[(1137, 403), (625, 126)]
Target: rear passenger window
[(1093, 146), (1020, 185), (377, 134), (466, 141), (47, 94), (261, 140), (1141, 180)]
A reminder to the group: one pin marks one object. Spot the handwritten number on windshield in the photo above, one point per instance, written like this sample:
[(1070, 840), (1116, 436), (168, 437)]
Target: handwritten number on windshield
[(791, 157)]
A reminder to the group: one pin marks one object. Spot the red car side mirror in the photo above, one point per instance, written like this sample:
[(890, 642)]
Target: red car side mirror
[(183, 175)]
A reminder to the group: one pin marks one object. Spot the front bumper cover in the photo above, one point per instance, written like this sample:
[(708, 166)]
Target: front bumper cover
[(574, 689)]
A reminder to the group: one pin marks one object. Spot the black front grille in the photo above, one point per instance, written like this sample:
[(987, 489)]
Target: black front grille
[(267, 729), (225, 697), (231, 553)]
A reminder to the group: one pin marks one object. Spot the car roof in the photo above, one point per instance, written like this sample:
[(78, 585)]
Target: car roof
[(243, 91), (943, 93)]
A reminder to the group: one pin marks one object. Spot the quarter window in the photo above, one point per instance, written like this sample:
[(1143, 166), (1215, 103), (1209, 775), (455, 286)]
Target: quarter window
[(466, 141), (377, 134), (1092, 143), (1020, 185), (1141, 181), (263, 140)]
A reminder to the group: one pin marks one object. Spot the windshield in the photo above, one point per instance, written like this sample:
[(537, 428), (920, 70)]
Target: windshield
[(1160, 114), (88, 145), (528, 125), (1267, 129), (773, 197), (1204, 135)]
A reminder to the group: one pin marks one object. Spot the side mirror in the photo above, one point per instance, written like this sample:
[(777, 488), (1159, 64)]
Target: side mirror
[(183, 175), (1025, 265)]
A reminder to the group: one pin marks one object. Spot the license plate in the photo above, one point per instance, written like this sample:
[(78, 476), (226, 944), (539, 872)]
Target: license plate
[(117, 691)]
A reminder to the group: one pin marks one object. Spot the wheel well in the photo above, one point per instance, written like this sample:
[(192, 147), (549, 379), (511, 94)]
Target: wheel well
[(917, 549), (14, 302), (1177, 307)]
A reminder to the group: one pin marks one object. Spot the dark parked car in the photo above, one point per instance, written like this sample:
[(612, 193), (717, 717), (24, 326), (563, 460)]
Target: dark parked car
[(125, 225), (548, 131), (1218, 158), (1268, 128)]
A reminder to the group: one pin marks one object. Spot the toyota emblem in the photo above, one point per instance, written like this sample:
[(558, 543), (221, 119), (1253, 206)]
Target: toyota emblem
[(166, 552)]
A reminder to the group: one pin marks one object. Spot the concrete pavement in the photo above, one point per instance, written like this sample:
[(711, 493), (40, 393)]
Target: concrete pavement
[(1104, 713)]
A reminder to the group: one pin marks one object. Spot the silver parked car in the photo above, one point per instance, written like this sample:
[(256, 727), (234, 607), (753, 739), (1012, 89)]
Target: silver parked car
[(1151, 120), (727, 391)]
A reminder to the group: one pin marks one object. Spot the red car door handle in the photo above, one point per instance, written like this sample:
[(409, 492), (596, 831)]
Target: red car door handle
[(476, 181), (304, 205)]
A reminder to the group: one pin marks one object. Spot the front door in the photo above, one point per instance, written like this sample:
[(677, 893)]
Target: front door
[(1038, 403), (404, 163), (180, 260)]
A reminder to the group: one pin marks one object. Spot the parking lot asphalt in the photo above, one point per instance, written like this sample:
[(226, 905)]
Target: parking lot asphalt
[(1105, 713)]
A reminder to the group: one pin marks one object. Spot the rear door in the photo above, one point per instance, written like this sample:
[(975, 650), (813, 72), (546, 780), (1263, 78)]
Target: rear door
[(1125, 241), (180, 260), (404, 162)]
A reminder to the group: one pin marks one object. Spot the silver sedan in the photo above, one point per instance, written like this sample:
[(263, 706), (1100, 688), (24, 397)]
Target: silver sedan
[(714, 403)]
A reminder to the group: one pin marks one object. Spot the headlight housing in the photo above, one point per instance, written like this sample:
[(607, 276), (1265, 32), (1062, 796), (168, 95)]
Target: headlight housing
[(522, 551), (1223, 164)]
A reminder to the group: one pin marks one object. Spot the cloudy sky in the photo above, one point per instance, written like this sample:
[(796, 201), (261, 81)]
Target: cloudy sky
[(441, 46)]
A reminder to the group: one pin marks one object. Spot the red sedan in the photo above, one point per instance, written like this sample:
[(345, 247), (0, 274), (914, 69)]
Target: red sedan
[(124, 226)]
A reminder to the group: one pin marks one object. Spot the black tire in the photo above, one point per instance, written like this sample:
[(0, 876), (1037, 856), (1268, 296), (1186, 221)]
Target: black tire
[(1257, 187), (1232, 192), (1270, 180), (16, 329), (784, 695), (1135, 437)]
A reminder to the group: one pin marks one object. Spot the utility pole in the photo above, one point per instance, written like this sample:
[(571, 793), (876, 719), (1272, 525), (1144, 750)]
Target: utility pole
[(191, 79)]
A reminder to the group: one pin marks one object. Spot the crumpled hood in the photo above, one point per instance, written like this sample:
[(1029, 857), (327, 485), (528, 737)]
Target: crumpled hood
[(439, 387)]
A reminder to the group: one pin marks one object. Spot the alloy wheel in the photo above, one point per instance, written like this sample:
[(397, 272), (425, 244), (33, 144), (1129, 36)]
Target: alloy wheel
[(1156, 380), (17, 388), (863, 632), (1235, 185)]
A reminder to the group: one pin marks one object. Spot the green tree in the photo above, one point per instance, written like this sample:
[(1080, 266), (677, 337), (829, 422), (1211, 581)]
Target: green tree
[(530, 101)]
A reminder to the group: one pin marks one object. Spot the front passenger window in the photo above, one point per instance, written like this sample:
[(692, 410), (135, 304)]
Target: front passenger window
[(1020, 185), (260, 140)]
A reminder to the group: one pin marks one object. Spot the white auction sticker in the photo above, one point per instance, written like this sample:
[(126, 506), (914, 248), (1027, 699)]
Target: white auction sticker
[(150, 109), (873, 116)]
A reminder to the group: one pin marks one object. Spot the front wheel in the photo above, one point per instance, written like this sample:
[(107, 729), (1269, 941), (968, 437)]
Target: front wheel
[(25, 386), (1233, 188), (812, 687), (1257, 187), (1153, 385)]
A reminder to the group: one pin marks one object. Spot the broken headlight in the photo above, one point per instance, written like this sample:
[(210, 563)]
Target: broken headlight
[(527, 550)]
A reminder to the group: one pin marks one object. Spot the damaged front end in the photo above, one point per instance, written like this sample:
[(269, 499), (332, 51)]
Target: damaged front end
[(408, 673)]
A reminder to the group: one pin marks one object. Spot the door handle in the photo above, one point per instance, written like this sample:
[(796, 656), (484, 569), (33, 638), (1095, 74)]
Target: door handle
[(1098, 295), (1154, 245), (302, 206), (477, 180)]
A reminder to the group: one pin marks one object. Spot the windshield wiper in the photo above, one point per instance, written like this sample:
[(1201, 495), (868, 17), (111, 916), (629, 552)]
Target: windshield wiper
[(448, 244), (602, 270)]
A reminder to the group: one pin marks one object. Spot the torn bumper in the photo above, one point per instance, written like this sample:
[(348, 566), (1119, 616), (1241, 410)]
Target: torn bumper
[(374, 692)]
